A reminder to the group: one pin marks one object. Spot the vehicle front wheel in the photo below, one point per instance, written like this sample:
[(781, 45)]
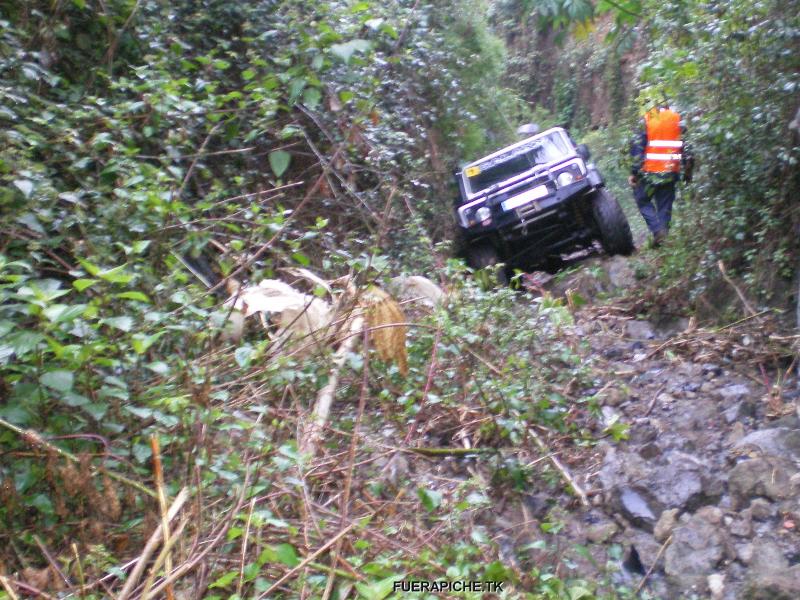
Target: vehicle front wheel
[(615, 232), (483, 258)]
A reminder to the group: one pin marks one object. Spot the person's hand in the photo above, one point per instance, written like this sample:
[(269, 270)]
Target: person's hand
[(633, 180)]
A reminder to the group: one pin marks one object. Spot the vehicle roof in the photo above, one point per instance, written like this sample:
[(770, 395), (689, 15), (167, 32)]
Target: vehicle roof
[(515, 145)]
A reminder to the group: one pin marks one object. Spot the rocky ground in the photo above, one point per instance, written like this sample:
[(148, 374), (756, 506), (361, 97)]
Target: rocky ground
[(703, 498)]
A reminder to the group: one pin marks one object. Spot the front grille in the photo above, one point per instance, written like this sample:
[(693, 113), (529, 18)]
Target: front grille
[(531, 212)]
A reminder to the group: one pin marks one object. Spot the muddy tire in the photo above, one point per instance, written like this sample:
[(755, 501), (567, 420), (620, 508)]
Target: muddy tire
[(615, 233), (483, 258)]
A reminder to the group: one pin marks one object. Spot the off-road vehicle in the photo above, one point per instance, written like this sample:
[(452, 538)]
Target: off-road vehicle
[(533, 201)]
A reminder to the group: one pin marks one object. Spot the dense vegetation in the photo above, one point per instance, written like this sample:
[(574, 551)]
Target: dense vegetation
[(153, 150)]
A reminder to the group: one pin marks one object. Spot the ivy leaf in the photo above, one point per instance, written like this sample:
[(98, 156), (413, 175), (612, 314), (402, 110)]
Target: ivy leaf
[(312, 97), (59, 380), (244, 355), (142, 342), (82, 284), (115, 275), (62, 313), (431, 499), (97, 410), (287, 555), (295, 89), (24, 341), (279, 161), (25, 186), (73, 399), (225, 580), (138, 296), (121, 323), (380, 589), (346, 50), (141, 452)]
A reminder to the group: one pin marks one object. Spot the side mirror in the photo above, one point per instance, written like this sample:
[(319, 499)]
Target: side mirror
[(583, 151)]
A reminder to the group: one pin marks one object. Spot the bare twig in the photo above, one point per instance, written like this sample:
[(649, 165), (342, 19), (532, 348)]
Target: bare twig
[(268, 244), (162, 505), (35, 439), (212, 543), (653, 566), (166, 552), (7, 587), (451, 451), (653, 401), (309, 559), (244, 547), (561, 468), (322, 407), (428, 382), (52, 561), (151, 545), (739, 293), (345, 503)]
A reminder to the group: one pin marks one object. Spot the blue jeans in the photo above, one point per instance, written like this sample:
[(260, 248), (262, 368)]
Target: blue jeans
[(654, 200)]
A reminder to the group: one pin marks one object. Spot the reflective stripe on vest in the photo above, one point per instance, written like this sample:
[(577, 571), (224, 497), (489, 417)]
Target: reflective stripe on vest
[(663, 140)]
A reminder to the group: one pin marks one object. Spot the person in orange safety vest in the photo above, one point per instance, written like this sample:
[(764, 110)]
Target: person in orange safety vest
[(659, 155)]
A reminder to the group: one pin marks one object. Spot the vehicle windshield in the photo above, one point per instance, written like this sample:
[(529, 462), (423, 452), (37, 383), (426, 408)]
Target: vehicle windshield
[(496, 169)]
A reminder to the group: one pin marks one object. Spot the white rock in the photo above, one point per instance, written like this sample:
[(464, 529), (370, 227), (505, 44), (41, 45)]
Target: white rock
[(716, 585)]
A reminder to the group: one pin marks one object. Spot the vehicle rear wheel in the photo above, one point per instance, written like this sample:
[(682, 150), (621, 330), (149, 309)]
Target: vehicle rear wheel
[(615, 232), (485, 259)]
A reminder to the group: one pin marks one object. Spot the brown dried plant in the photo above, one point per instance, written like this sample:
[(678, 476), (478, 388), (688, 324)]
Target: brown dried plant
[(387, 324)]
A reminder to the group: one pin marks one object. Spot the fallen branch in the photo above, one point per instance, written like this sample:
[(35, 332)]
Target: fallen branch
[(162, 505), (212, 543), (561, 468), (653, 402), (653, 566), (163, 556), (322, 408), (151, 545), (739, 293), (308, 560), (7, 587), (451, 451), (35, 439)]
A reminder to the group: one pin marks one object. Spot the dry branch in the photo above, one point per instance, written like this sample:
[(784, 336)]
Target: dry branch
[(35, 439), (311, 432), (151, 545), (561, 468), (307, 560), (739, 292)]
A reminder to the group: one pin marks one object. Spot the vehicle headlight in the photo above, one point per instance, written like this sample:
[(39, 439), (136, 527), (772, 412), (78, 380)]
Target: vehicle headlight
[(574, 171), (565, 178), (483, 213), (475, 214)]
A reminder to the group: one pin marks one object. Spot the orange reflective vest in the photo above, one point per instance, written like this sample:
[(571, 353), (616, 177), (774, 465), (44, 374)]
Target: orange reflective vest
[(664, 145)]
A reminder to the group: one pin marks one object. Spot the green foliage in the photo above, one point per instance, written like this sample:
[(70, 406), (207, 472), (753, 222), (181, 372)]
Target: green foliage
[(732, 71), (150, 148)]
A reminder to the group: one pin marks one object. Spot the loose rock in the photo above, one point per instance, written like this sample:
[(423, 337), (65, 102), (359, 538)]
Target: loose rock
[(779, 441), (697, 548), (760, 477), (666, 523), (638, 508), (761, 510)]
